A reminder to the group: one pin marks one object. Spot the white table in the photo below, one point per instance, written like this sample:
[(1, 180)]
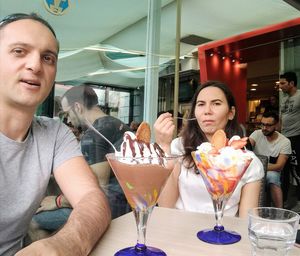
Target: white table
[(174, 232)]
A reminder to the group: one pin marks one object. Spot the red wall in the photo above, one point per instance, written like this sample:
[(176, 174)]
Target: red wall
[(215, 68), (224, 70)]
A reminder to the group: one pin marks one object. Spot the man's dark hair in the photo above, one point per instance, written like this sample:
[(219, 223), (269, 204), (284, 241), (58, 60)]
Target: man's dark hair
[(272, 114), (24, 16), (83, 94), (289, 76)]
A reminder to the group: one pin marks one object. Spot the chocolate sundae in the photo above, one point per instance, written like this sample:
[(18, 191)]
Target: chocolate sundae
[(140, 167)]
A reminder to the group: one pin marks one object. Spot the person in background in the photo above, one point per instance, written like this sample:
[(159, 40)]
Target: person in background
[(81, 105), (267, 141), (214, 108), (290, 128), (31, 148), (273, 104)]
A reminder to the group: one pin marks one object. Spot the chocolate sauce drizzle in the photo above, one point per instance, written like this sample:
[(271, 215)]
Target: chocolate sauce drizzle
[(139, 150)]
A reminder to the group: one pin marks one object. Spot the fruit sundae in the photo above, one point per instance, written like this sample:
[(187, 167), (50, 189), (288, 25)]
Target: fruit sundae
[(222, 163), (140, 167)]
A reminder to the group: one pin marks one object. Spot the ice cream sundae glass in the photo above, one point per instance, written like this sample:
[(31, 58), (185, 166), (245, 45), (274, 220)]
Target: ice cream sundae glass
[(142, 170), (221, 164)]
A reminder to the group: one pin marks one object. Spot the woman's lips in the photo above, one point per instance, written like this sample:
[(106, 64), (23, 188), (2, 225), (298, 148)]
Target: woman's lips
[(208, 122)]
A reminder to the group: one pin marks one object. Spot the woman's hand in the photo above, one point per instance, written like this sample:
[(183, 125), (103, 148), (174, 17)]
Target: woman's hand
[(164, 129)]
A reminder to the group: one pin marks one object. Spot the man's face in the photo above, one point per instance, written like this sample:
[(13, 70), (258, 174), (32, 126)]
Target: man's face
[(268, 126), (285, 86), (73, 116), (28, 60)]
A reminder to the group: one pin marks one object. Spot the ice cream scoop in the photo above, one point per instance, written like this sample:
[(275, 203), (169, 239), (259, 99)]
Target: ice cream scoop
[(222, 163)]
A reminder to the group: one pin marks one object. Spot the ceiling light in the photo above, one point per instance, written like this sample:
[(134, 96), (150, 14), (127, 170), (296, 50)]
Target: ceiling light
[(242, 65), (254, 85), (211, 55), (253, 89)]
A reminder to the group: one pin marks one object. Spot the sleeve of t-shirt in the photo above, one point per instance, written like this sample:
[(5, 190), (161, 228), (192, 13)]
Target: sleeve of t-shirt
[(177, 146), (66, 146), (255, 170), (254, 135), (286, 148)]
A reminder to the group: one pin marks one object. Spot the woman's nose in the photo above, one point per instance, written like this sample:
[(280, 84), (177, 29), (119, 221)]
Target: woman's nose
[(207, 109)]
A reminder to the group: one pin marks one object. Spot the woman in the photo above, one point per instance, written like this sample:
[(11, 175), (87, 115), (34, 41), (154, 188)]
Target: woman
[(214, 108)]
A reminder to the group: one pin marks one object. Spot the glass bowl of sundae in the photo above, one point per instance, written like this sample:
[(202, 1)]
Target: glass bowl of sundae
[(221, 163), (142, 169)]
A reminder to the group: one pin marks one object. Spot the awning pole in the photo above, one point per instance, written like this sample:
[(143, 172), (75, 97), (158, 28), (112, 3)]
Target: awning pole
[(152, 58), (177, 55)]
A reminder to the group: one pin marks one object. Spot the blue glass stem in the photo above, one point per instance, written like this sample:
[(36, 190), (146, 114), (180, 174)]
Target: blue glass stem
[(141, 218), (219, 205)]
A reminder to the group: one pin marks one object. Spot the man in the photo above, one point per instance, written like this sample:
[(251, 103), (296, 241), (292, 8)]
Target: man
[(273, 104), (277, 148), (32, 148), (81, 105), (290, 127)]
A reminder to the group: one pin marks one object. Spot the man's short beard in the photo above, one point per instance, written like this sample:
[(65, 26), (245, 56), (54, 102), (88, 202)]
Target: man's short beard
[(270, 134)]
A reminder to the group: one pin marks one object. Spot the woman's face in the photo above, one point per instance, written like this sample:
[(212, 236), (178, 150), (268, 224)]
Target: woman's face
[(212, 110)]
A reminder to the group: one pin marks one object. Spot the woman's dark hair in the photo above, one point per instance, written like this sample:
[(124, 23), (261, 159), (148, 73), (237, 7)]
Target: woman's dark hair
[(193, 136)]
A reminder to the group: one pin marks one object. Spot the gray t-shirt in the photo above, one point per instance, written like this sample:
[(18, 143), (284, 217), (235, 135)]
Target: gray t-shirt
[(290, 113), (25, 169), (281, 145)]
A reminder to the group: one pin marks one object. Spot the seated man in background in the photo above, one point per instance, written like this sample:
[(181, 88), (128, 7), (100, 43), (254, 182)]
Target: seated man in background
[(32, 148), (80, 104), (267, 141)]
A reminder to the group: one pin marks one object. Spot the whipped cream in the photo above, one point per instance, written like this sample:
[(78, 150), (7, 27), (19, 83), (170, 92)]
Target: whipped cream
[(226, 156), (135, 151)]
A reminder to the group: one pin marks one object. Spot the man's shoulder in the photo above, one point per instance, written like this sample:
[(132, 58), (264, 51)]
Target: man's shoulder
[(46, 124), (105, 120), (282, 137), (44, 121), (111, 123), (256, 133), (296, 95)]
